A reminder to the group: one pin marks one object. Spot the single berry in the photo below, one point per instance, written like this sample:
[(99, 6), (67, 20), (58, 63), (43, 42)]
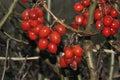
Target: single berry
[(79, 19), (44, 32), (106, 31), (68, 53), (55, 37), (32, 35), (43, 43), (86, 2), (78, 7), (77, 50), (25, 25), (52, 48), (63, 64), (60, 28), (113, 12), (115, 24), (107, 20)]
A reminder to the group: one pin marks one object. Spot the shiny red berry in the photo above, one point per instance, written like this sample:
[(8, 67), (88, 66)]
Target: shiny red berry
[(44, 32), (115, 24), (98, 24), (33, 14), (52, 48), (37, 29), (39, 11), (78, 7), (60, 28), (113, 31), (97, 14), (43, 43), (107, 20), (74, 25), (63, 64), (113, 12), (86, 2), (25, 14), (55, 37), (68, 53), (106, 31), (25, 25), (79, 19), (33, 23), (32, 35), (77, 50)]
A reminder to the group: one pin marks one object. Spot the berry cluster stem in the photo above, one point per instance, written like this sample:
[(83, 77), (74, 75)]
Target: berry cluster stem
[(8, 13), (92, 7)]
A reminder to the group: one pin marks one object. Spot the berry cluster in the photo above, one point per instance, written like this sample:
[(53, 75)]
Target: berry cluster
[(81, 19), (72, 56), (109, 21), (33, 24), (106, 17)]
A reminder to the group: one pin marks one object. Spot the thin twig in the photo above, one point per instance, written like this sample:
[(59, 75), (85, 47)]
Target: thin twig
[(112, 66), (5, 62), (20, 58), (67, 26), (17, 40), (9, 13)]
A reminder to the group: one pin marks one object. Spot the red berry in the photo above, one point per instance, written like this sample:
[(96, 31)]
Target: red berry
[(98, 24), (78, 59), (33, 14), (52, 48), (69, 60), (77, 50), (39, 11), (55, 37), (107, 20), (113, 31), (25, 14), (74, 25), (86, 2), (113, 12), (32, 35), (106, 31), (85, 14), (60, 28), (97, 14), (40, 20), (115, 24), (78, 7), (37, 29), (25, 25), (79, 19), (43, 43), (63, 64), (84, 23), (24, 1), (68, 53), (74, 65), (44, 32), (33, 23), (106, 9)]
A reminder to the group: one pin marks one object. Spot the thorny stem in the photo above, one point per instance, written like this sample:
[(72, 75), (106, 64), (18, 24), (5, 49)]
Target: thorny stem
[(8, 14), (5, 62)]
